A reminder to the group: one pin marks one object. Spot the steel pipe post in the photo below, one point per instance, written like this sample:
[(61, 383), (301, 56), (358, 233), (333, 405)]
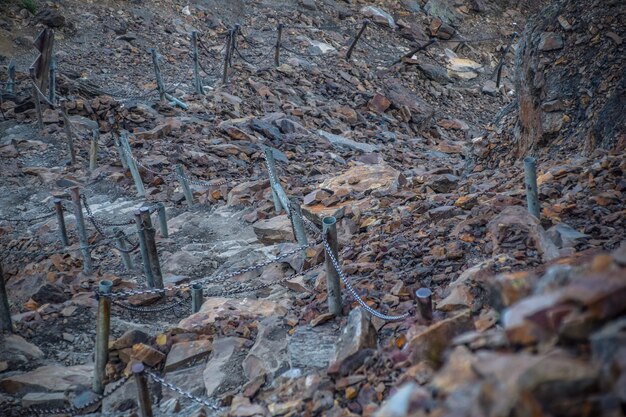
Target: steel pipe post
[(162, 219), (530, 181), (196, 297), (132, 166), (143, 249), (58, 207), (297, 222), (278, 40), (121, 242), (151, 247), (157, 73), (102, 335), (356, 39), (227, 55), (423, 296), (196, 65), (184, 184), (6, 325), (143, 395), (120, 151), (93, 151), (82, 231), (271, 169), (329, 228)]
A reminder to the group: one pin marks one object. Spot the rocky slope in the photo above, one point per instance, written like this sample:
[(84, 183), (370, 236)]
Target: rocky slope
[(416, 155)]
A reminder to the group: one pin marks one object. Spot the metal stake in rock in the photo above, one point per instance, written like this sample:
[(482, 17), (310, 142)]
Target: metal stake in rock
[(126, 260), (151, 247), (162, 219), (157, 73), (141, 192), (356, 39), (277, 51), (271, 169), (58, 206), (120, 151), (227, 55), (5, 312), (145, 405), (93, 151), (329, 228), (196, 297), (68, 131), (36, 99), (425, 303), (82, 231), (184, 184), (530, 181), (143, 249), (196, 66), (298, 222), (102, 335)]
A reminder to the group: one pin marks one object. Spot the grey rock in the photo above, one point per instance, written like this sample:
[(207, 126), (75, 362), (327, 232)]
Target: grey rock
[(434, 72), (550, 41), (378, 15), (357, 338), (269, 355), (564, 236), (340, 141), (444, 10)]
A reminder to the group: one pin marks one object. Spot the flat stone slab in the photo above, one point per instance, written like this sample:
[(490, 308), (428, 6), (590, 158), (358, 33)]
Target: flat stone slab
[(313, 347), (50, 378)]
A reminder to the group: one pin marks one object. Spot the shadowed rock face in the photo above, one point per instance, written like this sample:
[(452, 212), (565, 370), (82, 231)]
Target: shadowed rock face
[(571, 82)]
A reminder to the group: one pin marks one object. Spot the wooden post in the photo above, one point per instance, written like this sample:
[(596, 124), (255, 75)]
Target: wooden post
[(196, 66), (68, 131), (58, 206), (332, 277), (121, 242), (145, 405), (151, 247), (6, 325), (103, 325), (227, 54), (93, 151), (53, 84), (184, 184), (11, 84), (277, 51), (36, 98), (530, 181), (147, 269), (82, 231), (356, 39), (157, 73), (134, 171)]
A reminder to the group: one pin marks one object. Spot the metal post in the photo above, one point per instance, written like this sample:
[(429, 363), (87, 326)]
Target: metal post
[(162, 219), (233, 47), (184, 184), (11, 84), (68, 131), (53, 84), (153, 254), (93, 151), (121, 242), (58, 206), (147, 269), (196, 297), (297, 222), (145, 405), (278, 39), (227, 54), (6, 325), (271, 168), (102, 335), (332, 277), (530, 181), (502, 57), (120, 152), (356, 39), (425, 303), (36, 98), (82, 231), (141, 192), (196, 67), (157, 72)]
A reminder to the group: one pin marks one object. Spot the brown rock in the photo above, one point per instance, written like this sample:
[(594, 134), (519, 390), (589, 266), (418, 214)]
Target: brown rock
[(274, 230), (185, 352), (147, 354), (378, 103)]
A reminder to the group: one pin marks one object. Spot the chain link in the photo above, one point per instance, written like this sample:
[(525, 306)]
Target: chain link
[(30, 219), (145, 310), (180, 391)]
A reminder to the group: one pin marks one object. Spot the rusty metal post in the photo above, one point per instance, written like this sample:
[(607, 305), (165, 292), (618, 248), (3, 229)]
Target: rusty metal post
[(82, 231), (37, 99), (145, 405), (196, 297), (332, 276), (278, 40), (143, 249), (102, 335), (6, 325), (184, 184), (423, 296), (530, 181), (162, 219), (68, 131), (196, 66), (121, 242), (356, 39), (58, 206), (151, 248)]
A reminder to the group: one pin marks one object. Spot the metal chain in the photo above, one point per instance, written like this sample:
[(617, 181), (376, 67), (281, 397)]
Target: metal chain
[(30, 219), (180, 391), (146, 310), (98, 227), (76, 410)]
